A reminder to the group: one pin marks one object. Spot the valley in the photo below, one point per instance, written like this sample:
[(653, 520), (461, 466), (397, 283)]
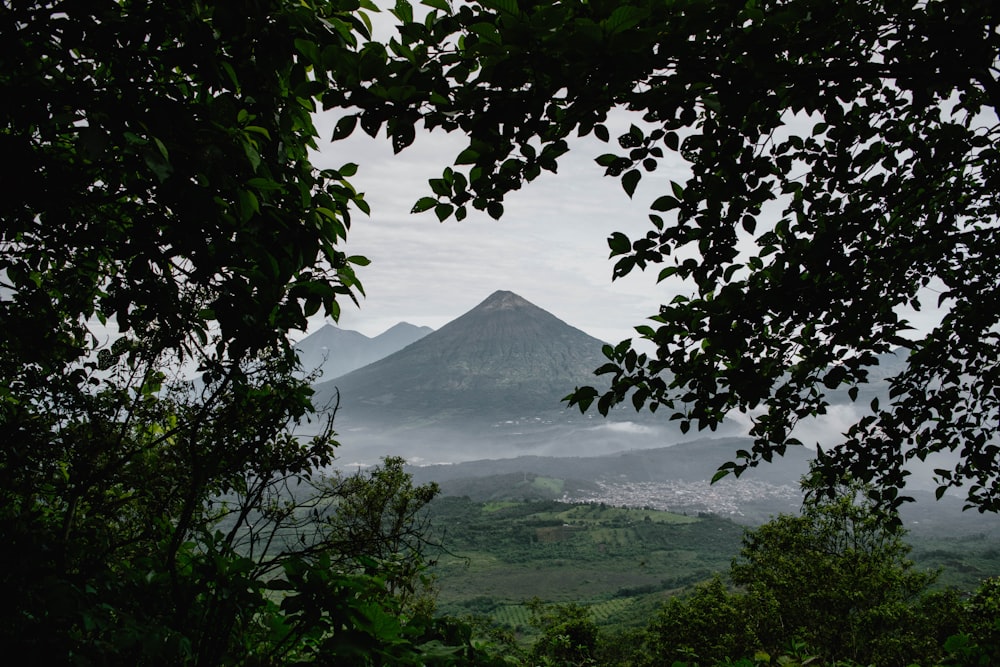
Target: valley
[(616, 561), (539, 502)]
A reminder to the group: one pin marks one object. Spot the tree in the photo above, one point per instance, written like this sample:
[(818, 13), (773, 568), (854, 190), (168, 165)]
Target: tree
[(569, 637), (843, 171), (380, 516), (162, 217), (837, 577), (833, 582), (706, 627), (979, 640)]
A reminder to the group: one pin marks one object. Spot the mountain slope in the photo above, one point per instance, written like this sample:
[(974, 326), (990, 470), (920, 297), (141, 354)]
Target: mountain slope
[(333, 351), (505, 358)]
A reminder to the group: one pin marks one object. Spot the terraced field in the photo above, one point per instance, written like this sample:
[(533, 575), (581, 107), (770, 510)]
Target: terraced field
[(620, 563), (502, 554)]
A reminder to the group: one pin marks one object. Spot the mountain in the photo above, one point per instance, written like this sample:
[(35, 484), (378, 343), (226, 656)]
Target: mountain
[(334, 352), (395, 339), (505, 359)]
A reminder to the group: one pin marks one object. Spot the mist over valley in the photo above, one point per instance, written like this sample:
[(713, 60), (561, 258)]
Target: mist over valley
[(477, 407)]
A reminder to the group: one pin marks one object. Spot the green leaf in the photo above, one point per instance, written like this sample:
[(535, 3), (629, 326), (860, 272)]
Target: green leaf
[(622, 19), (487, 32), (161, 148), (424, 204), (345, 127), (834, 377), (308, 49), (265, 184), (257, 129), (443, 211), (582, 397), (248, 205), (440, 187), (505, 6), (403, 11), (158, 165), (630, 179), (619, 244), (231, 73), (665, 203), (606, 160), (468, 156)]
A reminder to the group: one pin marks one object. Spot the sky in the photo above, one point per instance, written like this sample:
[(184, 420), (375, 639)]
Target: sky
[(550, 246)]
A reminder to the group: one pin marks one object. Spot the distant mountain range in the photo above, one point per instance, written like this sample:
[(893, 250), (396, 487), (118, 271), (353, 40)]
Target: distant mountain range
[(483, 394), (331, 352), (489, 385)]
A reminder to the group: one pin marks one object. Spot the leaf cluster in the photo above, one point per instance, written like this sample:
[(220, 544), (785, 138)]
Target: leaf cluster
[(835, 579), (164, 231)]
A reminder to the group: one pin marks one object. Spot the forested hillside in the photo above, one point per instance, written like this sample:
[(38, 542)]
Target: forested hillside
[(502, 554)]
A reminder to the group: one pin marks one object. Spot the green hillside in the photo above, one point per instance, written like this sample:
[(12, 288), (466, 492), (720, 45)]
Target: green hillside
[(620, 563), (615, 560)]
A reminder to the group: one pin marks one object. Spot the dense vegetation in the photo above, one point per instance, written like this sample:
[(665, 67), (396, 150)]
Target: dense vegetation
[(164, 231), (836, 581), (833, 585), (162, 220)]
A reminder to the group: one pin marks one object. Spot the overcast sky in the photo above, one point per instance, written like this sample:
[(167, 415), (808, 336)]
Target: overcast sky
[(550, 246)]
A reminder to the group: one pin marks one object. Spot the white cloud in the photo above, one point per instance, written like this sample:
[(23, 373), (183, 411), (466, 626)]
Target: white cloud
[(625, 427)]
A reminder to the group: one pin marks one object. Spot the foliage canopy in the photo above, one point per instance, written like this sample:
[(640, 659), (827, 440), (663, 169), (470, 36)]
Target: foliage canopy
[(162, 211), (843, 171), (835, 579)]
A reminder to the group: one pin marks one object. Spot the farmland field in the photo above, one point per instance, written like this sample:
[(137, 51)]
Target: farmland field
[(500, 555), (621, 563)]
